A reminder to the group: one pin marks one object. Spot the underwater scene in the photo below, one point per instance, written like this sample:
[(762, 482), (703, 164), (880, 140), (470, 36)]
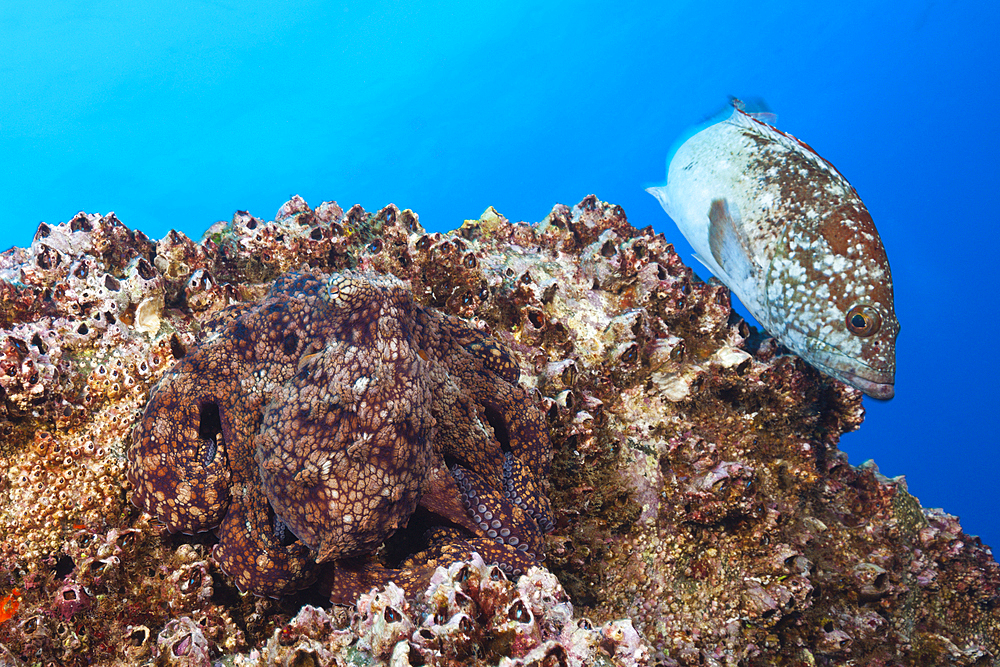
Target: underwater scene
[(511, 334)]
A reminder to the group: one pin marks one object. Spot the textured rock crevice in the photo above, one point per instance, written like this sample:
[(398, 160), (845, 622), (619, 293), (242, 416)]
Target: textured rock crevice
[(704, 514)]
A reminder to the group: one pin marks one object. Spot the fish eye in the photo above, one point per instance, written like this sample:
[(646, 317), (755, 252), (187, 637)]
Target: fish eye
[(863, 320)]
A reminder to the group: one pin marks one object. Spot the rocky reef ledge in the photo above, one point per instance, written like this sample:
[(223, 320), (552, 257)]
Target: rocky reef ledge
[(704, 514)]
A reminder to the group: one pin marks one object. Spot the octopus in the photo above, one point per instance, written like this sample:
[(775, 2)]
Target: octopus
[(309, 427)]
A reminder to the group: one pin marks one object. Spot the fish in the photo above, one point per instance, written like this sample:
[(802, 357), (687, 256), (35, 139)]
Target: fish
[(791, 238)]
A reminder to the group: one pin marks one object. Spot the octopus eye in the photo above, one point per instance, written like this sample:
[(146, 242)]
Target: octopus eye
[(863, 320), (290, 344)]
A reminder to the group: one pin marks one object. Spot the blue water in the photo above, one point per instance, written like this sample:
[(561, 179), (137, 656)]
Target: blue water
[(179, 113)]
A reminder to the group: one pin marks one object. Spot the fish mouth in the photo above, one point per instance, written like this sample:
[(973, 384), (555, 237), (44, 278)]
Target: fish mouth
[(873, 382), (883, 391)]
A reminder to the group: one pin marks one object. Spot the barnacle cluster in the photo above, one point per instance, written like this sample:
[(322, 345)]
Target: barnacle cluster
[(470, 614), (703, 513)]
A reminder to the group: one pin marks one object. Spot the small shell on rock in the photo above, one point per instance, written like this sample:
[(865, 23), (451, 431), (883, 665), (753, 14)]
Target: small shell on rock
[(182, 643), (384, 620)]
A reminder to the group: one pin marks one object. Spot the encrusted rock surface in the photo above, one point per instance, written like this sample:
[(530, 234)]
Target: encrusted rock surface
[(704, 515)]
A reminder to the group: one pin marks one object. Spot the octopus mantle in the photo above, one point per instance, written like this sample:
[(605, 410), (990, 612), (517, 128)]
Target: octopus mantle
[(309, 426)]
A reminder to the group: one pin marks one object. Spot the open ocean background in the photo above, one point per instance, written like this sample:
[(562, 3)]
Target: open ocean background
[(174, 114)]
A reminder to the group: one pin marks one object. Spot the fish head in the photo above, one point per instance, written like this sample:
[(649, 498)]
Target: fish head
[(830, 287)]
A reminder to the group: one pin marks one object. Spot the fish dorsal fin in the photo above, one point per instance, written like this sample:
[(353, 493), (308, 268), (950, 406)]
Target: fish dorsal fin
[(756, 108), (765, 117), (730, 245)]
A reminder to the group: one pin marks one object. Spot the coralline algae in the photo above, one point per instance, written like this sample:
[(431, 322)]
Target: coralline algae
[(704, 515)]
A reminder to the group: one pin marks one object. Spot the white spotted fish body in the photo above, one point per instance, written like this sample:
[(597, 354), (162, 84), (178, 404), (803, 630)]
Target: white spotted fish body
[(786, 232)]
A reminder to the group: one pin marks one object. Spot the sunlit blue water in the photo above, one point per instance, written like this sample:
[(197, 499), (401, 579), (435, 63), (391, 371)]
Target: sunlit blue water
[(179, 113)]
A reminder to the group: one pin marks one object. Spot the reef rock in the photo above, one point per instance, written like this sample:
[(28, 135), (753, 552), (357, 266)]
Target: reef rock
[(703, 514)]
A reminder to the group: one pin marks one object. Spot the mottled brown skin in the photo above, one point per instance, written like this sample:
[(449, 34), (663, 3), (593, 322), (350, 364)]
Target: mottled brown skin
[(341, 405), (192, 463), (348, 438)]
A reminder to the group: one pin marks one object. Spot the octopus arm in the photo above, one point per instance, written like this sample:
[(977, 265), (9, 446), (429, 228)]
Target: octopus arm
[(496, 517), (256, 552)]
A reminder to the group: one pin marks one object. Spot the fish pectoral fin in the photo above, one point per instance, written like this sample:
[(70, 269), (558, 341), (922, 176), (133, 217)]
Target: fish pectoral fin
[(711, 266), (729, 244)]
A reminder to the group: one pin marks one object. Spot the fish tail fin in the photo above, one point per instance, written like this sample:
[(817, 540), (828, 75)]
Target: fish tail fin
[(660, 192)]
